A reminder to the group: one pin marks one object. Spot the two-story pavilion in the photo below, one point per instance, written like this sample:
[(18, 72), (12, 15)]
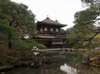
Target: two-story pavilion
[(50, 33)]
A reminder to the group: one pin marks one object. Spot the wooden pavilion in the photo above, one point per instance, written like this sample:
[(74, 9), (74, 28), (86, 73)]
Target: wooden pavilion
[(50, 33)]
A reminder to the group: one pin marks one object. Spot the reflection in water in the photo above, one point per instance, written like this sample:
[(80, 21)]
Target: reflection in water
[(83, 69), (34, 71), (48, 69), (68, 69)]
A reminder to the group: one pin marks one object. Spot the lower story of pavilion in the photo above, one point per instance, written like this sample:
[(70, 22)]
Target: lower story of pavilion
[(52, 41)]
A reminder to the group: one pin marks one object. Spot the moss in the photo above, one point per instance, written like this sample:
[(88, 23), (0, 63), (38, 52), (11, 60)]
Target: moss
[(73, 57)]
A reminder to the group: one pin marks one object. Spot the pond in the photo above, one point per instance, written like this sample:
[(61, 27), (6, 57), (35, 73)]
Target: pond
[(48, 70), (68, 61), (81, 69)]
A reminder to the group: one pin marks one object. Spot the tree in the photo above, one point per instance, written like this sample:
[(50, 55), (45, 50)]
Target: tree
[(90, 1), (18, 17), (15, 22), (84, 30), (94, 5)]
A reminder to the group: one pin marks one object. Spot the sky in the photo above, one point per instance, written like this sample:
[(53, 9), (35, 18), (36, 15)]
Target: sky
[(61, 10)]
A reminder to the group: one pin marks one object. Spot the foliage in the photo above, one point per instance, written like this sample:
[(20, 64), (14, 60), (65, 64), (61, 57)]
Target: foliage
[(97, 36), (26, 44), (94, 56), (75, 58), (17, 15), (84, 30), (15, 22), (90, 1)]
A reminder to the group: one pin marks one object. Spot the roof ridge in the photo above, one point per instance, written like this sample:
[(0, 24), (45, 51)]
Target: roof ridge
[(48, 20)]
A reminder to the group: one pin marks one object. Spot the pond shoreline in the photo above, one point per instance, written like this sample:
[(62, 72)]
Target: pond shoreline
[(74, 61)]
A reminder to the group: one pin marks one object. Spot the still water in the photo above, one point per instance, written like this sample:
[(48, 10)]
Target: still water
[(57, 70), (62, 65)]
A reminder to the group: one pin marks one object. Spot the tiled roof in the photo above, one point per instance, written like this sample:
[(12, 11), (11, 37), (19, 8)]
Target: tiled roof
[(49, 21)]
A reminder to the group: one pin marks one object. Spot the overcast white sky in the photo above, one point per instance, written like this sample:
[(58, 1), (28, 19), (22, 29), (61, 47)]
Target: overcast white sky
[(61, 10)]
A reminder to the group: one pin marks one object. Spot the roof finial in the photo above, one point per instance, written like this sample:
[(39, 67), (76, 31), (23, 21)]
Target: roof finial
[(47, 17), (56, 21)]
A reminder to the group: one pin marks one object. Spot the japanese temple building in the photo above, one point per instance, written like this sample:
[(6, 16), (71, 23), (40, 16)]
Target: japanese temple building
[(50, 33)]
